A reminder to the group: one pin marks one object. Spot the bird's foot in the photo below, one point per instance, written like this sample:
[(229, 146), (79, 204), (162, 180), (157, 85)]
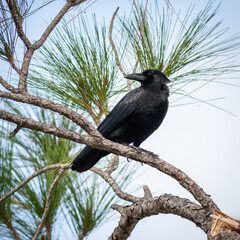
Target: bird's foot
[(140, 150)]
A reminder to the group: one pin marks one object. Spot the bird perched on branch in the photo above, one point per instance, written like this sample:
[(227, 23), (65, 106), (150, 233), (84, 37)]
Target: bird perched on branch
[(138, 114)]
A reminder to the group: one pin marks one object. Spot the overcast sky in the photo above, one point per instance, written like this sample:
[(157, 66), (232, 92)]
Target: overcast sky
[(202, 141)]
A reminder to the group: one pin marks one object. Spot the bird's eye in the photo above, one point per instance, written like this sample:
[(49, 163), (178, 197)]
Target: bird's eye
[(149, 74)]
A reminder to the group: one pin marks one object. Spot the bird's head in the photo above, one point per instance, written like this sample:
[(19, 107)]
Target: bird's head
[(149, 77)]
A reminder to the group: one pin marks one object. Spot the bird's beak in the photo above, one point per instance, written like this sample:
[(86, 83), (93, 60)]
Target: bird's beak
[(136, 76), (166, 81)]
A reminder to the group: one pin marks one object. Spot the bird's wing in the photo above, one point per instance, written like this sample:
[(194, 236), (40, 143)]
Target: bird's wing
[(119, 113)]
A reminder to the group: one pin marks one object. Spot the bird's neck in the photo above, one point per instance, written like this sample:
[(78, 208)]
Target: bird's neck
[(158, 88)]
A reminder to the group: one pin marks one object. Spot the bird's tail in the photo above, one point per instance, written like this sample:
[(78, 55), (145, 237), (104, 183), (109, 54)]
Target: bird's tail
[(87, 158)]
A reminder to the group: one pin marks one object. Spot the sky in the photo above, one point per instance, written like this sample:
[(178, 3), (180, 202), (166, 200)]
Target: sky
[(201, 140)]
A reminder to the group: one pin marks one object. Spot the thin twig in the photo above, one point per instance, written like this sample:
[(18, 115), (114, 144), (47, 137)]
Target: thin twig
[(112, 43), (113, 164), (115, 186), (46, 209), (141, 28), (40, 171), (147, 192), (11, 61), (15, 131), (55, 21)]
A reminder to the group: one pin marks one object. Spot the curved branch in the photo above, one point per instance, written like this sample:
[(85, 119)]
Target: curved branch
[(46, 209), (113, 164), (115, 186), (112, 43), (40, 171), (8, 86), (130, 215)]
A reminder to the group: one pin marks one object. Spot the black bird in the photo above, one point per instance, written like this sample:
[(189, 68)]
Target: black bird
[(138, 114)]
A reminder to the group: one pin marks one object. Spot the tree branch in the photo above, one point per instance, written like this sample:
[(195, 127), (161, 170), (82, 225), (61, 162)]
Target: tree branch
[(112, 43), (8, 86), (8, 222), (113, 164), (130, 215), (115, 186), (40, 171), (55, 21), (18, 22), (46, 209), (15, 131), (22, 84)]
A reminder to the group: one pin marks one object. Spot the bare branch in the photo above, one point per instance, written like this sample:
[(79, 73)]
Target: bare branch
[(40, 171), (147, 192), (22, 84), (15, 131), (46, 209), (125, 225), (115, 186), (55, 21), (7, 220), (8, 86), (113, 164), (11, 61), (112, 43), (18, 23), (130, 215)]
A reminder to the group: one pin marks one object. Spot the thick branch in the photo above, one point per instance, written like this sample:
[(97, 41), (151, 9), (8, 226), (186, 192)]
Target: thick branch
[(40, 171), (226, 235), (46, 209), (22, 84), (167, 204)]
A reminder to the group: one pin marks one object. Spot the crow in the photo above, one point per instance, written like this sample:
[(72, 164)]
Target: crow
[(138, 114)]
